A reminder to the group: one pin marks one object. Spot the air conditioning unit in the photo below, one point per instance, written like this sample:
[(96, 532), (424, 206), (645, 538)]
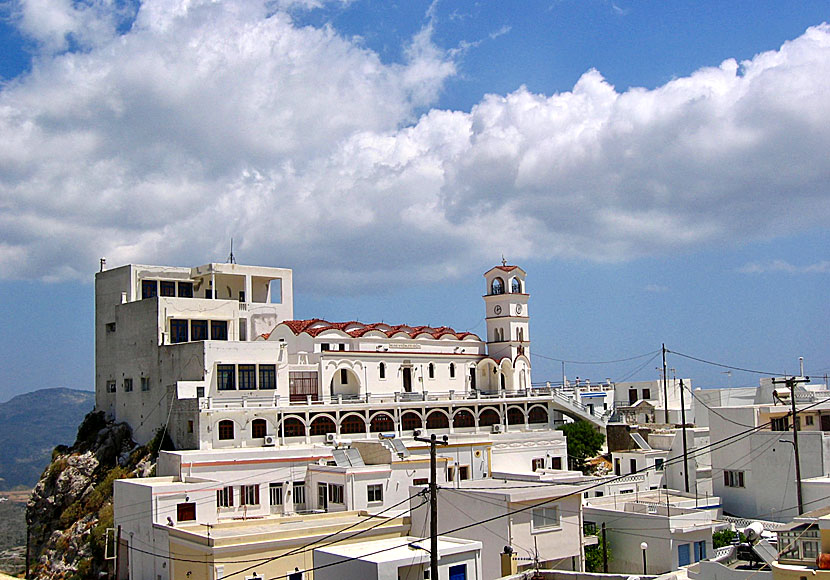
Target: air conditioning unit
[(497, 428), (269, 441), (331, 437)]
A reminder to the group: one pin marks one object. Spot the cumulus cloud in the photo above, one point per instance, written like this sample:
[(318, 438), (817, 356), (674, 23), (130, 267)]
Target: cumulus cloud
[(782, 266), (207, 120)]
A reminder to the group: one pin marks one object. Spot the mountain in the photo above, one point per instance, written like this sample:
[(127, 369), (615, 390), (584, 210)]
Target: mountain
[(31, 425)]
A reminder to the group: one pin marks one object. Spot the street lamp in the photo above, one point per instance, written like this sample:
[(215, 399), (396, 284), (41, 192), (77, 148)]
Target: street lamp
[(644, 547)]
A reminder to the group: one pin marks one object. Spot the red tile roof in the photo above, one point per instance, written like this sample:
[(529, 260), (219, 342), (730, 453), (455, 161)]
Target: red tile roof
[(315, 326)]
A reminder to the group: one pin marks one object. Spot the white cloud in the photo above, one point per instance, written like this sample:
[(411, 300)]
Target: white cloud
[(209, 120), (782, 266)]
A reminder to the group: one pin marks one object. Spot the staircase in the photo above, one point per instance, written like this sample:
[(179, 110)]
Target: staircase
[(576, 410)]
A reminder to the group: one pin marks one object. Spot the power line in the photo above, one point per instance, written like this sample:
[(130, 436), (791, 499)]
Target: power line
[(724, 366), (600, 362)]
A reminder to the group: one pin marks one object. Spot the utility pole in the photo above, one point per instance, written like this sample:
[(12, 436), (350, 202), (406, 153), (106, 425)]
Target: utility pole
[(791, 383), (665, 389), (433, 501), (118, 553), (685, 449)]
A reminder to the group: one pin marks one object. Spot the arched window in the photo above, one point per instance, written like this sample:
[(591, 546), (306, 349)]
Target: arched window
[(488, 417), (515, 286), (463, 419), (410, 421), (381, 423), (521, 334), (352, 424), (437, 420), (537, 415), (497, 286), (258, 428), (431, 370), (515, 416), (382, 370), (293, 427), (322, 425), (225, 430), (452, 370)]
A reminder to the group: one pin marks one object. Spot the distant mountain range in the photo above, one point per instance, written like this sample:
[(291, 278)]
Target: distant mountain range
[(33, 424)]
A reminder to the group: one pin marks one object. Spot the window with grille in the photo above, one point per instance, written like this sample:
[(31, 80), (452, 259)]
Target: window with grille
[(225, 430), (226, 377), (733, 478), (110, 386), (545, 517), (267, 377), (537, 463), (302, 384), (259, 428), (299, 493), (224, 497), (128, 385), (275, 493), (198, 330), (335, 493), (374, 492), (249, 495), (145, 383), (247, 377)]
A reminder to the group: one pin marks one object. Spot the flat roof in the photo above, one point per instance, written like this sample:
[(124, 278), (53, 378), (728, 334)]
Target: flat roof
[(408, 549), (519, 491)]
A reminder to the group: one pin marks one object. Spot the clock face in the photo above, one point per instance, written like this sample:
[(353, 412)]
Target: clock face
[(518, 308), (497, 309)]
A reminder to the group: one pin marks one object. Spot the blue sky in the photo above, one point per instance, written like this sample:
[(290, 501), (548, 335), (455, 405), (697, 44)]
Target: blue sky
[(658, 168)]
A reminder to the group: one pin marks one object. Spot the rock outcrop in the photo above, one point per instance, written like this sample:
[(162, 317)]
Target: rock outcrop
[(71, 506)]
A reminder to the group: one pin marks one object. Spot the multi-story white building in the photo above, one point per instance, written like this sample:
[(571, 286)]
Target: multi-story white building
[(215, 354)]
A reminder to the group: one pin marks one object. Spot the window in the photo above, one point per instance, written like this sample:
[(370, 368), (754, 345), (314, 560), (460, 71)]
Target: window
[(249, 495), (808, 420), (190, 426), (295, 575), (420, 481), (450, 473), (219, 330), (299, 493), (110, 386), (515, 286), (149, 289), (497, 286), (658, 464), (110, 327), (186, 289), (431, 370), (382, 370), (178, 331), (275, 493), (344, 377), (128, 385), (374, 492), (556, 462), (700, 551), (632, 465), (733, 478), (242, 296), (632, 396), (464, 472), (225, 430), (302, 384), (226, 377), (167, 288), (545, 517), (145, 383), (224, 497), (537, 463), (200, 392), (335, 493), (324, 347), (258, 428), (186, 512), (646, 393), (198, 330), (780, 424), (452, 370), (267, 377), (458, 572), (247, 377)]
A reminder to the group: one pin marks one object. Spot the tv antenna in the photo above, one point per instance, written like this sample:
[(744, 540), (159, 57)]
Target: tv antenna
[(231, 259)]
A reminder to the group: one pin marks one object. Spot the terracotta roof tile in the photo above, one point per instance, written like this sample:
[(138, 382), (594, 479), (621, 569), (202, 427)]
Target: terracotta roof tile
[(315, 326)]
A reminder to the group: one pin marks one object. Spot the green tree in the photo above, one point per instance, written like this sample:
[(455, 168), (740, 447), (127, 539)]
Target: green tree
[(593, 556), (584, 442)]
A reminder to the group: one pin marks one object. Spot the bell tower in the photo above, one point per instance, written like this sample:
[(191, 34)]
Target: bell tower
[(507, 318)]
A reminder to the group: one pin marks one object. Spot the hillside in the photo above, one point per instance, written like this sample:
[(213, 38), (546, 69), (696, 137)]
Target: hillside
[(31, 425)]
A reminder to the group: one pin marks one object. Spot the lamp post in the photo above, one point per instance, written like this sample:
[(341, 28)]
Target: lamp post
[(644, 547)]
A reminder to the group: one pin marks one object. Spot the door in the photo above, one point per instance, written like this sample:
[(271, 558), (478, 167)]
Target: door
[(684, 557), (458, 572), (322, 496), (825, 422), (407, 379)]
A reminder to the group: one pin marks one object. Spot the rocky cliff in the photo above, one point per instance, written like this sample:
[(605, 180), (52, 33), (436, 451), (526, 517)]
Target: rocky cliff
[(71, 506)]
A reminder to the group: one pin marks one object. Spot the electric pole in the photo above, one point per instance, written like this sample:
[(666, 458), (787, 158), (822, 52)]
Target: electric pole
[(791, 383), (433, 501), (665, 389), (685, 449)]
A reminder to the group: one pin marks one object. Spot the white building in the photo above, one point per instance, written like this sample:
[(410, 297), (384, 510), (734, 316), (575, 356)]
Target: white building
[(399, 559)]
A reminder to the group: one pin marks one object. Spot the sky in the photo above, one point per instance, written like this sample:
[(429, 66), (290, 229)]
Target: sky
[(660, 170)]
